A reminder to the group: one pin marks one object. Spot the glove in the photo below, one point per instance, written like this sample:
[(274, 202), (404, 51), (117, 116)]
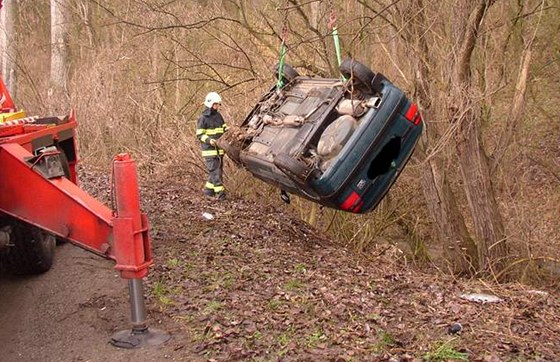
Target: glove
[(213, 142)]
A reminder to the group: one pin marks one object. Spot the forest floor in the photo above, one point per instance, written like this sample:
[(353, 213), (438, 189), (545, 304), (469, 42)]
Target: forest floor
[(241, 281)]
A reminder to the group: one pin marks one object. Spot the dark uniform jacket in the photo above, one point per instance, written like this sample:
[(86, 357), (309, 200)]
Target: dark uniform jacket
[(210, 125)]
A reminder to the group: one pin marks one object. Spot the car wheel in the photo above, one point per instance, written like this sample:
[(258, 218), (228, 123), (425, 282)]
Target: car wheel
[(31, 251), (293, 168), (361, 75), (288, 73)]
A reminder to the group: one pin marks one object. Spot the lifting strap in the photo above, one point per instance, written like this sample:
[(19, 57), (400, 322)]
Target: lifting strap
[(283, 51), (283, 48), (333, 29)]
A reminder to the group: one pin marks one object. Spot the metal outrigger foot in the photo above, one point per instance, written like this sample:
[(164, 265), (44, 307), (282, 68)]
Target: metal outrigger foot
[(133, 254), (140, 335)]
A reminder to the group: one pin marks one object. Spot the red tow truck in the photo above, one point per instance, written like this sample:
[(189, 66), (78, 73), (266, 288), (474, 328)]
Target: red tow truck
[(41, 202)]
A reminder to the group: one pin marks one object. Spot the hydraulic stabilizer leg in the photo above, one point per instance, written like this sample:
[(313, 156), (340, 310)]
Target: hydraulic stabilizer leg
[(140, 335), (137, 308), (133, 254)]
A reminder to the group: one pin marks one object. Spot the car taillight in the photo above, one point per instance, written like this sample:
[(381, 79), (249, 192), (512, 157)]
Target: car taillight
[(413, 115), (353, 203)]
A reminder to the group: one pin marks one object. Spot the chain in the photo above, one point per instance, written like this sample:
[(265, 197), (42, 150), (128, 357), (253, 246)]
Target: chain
[(332, 17), (334, 31)]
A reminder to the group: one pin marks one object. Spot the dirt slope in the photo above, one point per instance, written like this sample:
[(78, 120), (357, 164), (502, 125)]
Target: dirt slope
[(256, 284)]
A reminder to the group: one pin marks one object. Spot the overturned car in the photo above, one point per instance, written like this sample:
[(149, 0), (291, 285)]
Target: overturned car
[(339, 142)]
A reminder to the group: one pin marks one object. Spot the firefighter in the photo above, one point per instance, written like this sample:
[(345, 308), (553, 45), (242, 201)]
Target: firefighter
[(210, 128)]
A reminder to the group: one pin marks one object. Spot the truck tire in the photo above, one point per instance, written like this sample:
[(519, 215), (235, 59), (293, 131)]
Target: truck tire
[(361, 75), (31, 251)]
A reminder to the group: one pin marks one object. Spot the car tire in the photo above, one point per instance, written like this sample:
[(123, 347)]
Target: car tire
[(361, 75), (288, 73), (32, 250), (293, 168)]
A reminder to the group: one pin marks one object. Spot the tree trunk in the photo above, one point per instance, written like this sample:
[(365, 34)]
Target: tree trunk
[(473, 161), (487, 220), (458, 247), (9, 16), (58, 90), (517, 111)]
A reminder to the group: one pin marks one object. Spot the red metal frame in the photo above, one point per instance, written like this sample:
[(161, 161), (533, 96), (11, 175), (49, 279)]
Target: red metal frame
[(6, 102), (60, 207), (27, 134)]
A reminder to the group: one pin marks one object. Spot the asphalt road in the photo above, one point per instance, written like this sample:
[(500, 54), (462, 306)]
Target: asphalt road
[(69, 313)]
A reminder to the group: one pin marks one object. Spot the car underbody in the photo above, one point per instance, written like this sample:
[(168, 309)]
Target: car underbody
[(324, 138)]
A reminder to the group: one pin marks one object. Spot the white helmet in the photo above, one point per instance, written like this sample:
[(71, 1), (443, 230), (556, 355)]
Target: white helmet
[(212, 98)]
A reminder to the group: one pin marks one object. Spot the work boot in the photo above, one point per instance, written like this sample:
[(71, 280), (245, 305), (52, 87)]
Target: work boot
[(208, 192), (221, 196)]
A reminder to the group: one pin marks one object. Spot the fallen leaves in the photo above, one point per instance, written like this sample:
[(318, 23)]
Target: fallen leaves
[(256, 283)]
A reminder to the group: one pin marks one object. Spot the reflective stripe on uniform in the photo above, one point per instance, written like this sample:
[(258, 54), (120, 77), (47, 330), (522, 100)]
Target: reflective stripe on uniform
[(216, 188), (204, 135), (211, 131), (215, 131), (210, 153)]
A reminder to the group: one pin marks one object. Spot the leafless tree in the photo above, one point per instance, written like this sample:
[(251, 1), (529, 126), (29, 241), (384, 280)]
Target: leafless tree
[(458, 246), (9, 20), (58, 89), (447, 87)]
